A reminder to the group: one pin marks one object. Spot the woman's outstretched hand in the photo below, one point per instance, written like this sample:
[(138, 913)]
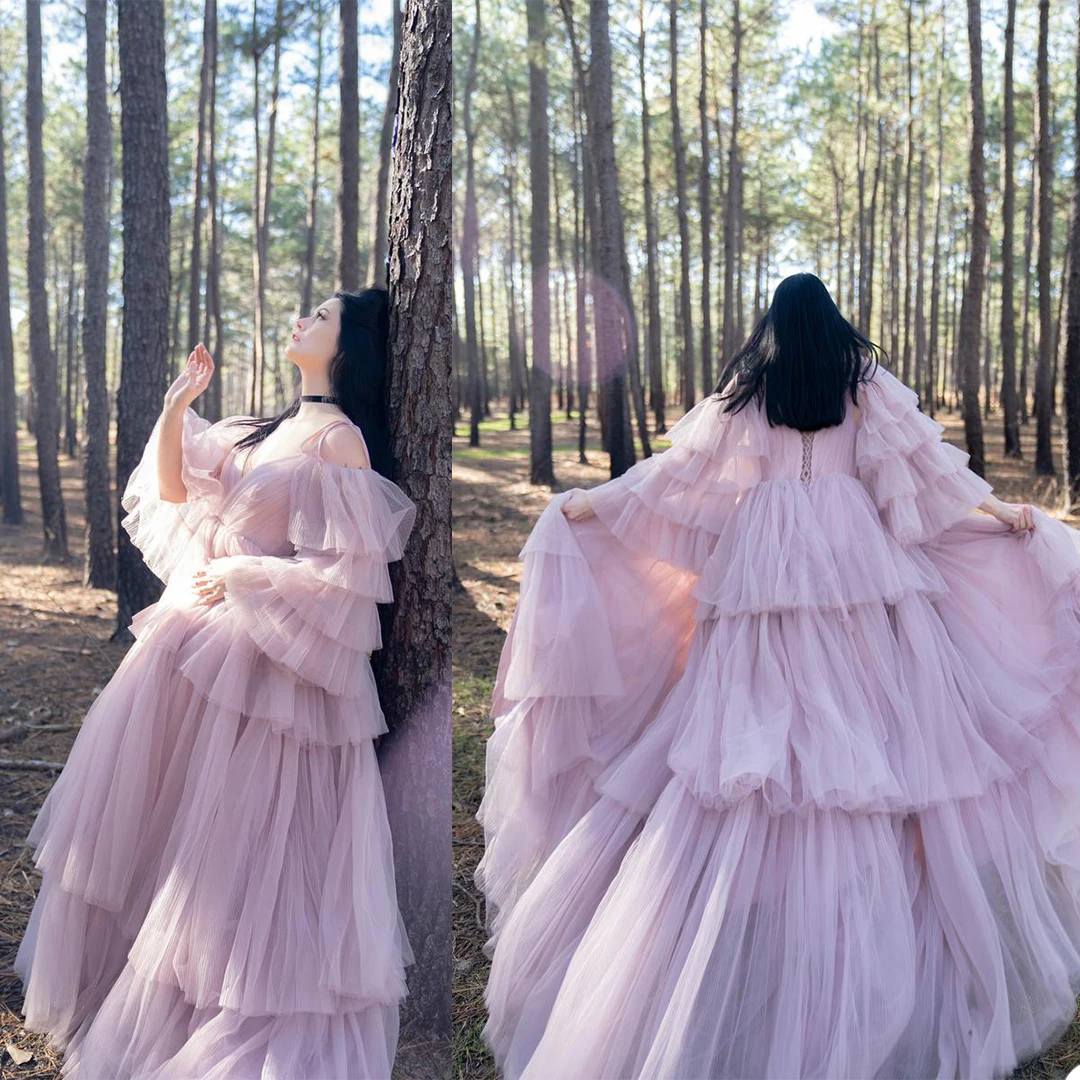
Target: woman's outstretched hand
[(193, 380), (578, 507)]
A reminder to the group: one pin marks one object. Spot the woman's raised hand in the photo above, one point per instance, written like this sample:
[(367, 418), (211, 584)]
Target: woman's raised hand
[(193, 380)]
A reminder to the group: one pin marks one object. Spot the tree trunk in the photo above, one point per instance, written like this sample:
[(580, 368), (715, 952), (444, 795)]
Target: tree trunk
[(377, 251), (469, 241), (42, 357), (542, 470), (686, 315), (1071, 358), (971, 305), (144, 135), (731, 212), (1009, 403), (705, 205), (212, 406), (306, 298), (195, 270), (654, 357), (10, 486), (609, 301), (348, 192), (1044, 458), (414, 663)]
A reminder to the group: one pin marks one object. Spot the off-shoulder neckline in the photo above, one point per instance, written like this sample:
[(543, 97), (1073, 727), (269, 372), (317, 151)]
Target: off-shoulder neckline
[(308, 448)]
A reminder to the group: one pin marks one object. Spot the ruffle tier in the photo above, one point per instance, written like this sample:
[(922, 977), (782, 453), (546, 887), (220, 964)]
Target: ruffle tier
[(148, 1030), (252, 871), (675, 505), (166, 532), (921, 483), (689, 941)]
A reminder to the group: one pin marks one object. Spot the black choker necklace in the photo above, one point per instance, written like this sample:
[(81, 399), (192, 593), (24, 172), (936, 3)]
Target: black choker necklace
[(319, 397)]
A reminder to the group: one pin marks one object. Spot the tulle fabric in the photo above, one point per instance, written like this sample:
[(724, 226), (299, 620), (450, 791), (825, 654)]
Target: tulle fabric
[(218, 895), (717, 723)]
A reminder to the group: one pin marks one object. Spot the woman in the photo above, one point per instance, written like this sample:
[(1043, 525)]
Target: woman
[(218, 891), (785, 777)]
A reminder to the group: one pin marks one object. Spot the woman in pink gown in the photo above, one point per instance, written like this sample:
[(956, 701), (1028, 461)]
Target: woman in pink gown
[(218, 894), (785, 776)]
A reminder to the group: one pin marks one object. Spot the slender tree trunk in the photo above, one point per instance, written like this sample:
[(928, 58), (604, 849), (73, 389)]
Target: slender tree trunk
[(469, 240), (306, 299), (1044, 458), (377, 253), (935, 259), (212, 408), (971, 305), (731, 213), (1071, 358), (1008, 204), (653, 353), (608, 303), (144, 134), (686, 316), (10, 486), (42, 357), (542, 469), (705, 204), (1029, 243), (195, 270), (348, 194)]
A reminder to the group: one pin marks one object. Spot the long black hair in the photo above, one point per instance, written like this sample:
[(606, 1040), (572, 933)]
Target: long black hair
[(803, 357), (357, 375)]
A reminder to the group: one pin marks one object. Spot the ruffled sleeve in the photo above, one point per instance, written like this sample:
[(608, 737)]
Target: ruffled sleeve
[(315, 612), (921, 484), (674, 504), (163, 530)]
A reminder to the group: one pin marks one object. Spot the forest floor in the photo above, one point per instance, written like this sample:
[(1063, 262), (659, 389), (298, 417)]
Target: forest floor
[(495, 507), (55, 657)]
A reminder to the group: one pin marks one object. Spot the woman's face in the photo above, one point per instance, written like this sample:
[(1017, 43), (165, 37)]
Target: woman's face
[(315, 337)]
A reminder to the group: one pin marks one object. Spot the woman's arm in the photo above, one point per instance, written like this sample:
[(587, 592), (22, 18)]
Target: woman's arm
[(188, 385), (170, 452), (1016, 515)]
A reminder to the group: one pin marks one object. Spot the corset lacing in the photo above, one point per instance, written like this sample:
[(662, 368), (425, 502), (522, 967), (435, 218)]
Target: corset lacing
[(807, 450)]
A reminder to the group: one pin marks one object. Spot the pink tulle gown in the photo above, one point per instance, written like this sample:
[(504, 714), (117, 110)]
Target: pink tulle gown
[(723, 706), (218, 894)]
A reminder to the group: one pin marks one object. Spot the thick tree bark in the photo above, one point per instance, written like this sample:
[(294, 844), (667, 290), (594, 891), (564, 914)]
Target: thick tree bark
[(144, 134), (42, 358), (971, 306), (414, 664)]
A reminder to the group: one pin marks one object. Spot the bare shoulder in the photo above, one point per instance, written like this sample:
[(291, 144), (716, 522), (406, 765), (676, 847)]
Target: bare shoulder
[(343, 445)]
